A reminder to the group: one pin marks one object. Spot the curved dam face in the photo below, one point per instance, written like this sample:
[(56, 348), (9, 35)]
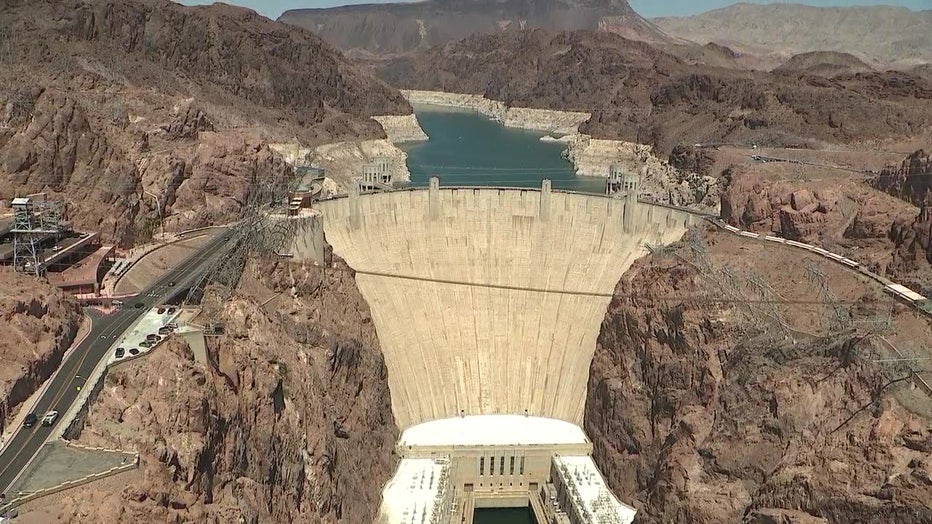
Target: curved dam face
[(486, 300)]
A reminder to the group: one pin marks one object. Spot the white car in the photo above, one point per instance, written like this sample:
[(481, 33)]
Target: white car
[(50, 418)]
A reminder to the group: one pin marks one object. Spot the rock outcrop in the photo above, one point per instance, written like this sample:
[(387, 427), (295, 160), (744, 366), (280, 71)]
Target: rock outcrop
[(293, 424), (401, 129), (823, 63), (910, 181), (38, 323), (694, 422)]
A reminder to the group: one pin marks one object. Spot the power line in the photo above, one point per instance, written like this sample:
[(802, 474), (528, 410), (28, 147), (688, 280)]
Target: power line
[(685, 298)]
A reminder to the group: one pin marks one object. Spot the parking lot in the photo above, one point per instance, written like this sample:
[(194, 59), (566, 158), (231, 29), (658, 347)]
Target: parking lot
[(146, 335)]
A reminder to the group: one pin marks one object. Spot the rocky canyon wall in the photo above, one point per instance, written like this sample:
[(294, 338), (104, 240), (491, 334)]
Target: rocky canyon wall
[(293, 425), (38, 323), (693, 422)]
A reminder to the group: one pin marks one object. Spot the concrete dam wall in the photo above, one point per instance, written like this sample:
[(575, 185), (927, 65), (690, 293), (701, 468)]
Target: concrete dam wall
[(487, 300)]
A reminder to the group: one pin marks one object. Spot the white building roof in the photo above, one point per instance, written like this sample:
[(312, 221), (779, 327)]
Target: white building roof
[(493, 430), (589, 492), (410, 496)]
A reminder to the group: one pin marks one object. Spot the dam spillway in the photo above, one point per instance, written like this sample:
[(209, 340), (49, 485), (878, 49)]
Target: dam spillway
[(487, 303), (489, 300)]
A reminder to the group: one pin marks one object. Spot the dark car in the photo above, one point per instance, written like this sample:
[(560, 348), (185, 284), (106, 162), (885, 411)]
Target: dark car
[(139, 305), (120, 352), (30, 420), (165, 331), (171, 310), (152, 337), (133, 351), (161, 311)]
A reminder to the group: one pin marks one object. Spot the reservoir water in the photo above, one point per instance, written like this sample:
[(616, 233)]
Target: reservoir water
[(503, 516), (466, 148)]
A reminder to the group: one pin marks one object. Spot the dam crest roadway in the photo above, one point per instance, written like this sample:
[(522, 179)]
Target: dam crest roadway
[(488, 303)]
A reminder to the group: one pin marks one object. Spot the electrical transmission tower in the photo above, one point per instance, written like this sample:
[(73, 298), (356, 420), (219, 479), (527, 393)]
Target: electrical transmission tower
[(35, 220), (263, 230), (757, 313)]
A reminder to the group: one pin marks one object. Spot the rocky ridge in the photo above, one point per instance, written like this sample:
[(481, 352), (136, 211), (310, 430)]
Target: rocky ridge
[(824, 63), (880, 34), (395, 28), (143, 109), (638, 93)]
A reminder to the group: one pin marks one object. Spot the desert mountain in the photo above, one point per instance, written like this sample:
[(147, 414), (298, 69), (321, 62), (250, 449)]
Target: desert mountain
[(879, 34), (401, 27), (639, 93), (140, 109)]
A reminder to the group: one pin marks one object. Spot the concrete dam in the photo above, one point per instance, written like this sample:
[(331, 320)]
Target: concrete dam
[(487, 303)]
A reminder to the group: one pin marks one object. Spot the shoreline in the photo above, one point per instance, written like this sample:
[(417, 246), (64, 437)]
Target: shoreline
[(591, 157)]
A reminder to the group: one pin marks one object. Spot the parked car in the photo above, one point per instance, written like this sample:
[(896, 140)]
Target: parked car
[(49, 418), (120, 352), (152, 337), (165, 331), (171, 310), (117, 303), (133, 351), (160, 311), (30, 420), (145, 344)]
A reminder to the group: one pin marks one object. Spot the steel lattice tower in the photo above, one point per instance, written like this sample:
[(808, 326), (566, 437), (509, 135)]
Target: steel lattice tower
[(34, 221)]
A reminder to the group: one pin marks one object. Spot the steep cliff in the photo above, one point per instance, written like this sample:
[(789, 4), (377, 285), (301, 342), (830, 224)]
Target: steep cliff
[(38, 323), (694, 419), (401, 27), (144, 110), (910, 181), (292, 425)]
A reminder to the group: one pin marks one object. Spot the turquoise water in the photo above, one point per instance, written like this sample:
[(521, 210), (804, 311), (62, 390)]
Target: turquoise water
[(468, 149), (504, 516)]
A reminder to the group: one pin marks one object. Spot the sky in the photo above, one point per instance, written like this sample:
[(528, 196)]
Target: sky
[(646, 8)]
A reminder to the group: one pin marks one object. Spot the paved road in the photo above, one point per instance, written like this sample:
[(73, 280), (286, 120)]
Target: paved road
[(105, 330)]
